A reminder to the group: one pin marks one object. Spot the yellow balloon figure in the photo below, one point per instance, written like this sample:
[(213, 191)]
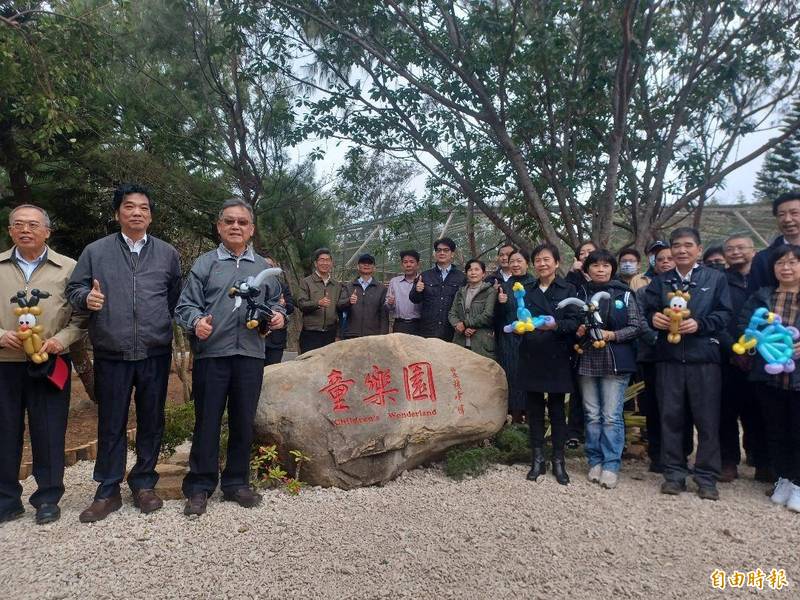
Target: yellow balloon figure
[(28, 329)]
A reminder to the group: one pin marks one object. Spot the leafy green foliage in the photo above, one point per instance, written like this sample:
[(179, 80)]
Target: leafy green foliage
[(266, 469)]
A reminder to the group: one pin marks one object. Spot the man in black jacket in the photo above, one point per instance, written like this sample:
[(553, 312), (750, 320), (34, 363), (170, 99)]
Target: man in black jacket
[(737, 394), (435, 290), (786, 209), (687, 369), (130, 281), (364, 299)]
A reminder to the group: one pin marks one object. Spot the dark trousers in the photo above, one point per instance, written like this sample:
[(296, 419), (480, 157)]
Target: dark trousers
[(781, 413), (648, 404), (738, 402), (311, 340), (558, 421), (47, 409), (273, 356), (699, 384), (235, 382), (411, 327), (114, 380)]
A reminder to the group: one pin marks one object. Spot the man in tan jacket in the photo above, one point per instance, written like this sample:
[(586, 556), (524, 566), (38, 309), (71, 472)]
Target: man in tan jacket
[(31, 265), (319, 301)]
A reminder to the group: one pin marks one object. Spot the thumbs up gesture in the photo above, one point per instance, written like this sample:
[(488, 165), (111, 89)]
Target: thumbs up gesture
[(420, 284), (353, 297), (502, 297), (324, 301), (95, 299), (203, 327), (390, 298)]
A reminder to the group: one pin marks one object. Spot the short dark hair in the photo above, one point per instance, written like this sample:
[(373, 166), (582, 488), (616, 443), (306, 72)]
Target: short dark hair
[(412, 253), (547, 247), (600, 255), (320, 251), (631, 251), (522, 253), (712, 251), (785, 197), (682, 232), (779, 252), (123, 189), (472, 261), (507, 245), (447, 242)]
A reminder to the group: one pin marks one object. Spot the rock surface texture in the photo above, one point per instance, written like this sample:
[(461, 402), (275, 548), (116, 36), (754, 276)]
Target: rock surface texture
[(367, 409)]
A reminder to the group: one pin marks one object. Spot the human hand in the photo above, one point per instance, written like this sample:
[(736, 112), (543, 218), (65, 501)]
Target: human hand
[(390, 299), (96, 298), (10, 340), (608, 336), (469, 332), (688, 326), (51, 346), (324, 302), (577, 265), (661, 321), (502, 297), (278, 321), (203, 327), (282, 300), (460, 327), (581, 330), (353, 297), (420, 284)]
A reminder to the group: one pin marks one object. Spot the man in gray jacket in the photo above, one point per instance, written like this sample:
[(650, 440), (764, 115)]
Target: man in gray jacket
[(228, 359), (130, 282)]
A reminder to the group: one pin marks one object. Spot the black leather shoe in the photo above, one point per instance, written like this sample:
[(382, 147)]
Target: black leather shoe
[(244, 497), (11, 515), (196, 504), (47, 513), (560, 470), (538, 466), (673, 488)]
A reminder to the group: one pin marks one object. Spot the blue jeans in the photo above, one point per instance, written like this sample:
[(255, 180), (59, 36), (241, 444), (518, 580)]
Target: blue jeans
[(603, 400)]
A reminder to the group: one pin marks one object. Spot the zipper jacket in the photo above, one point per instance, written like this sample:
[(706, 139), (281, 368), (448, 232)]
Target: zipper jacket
[(315, 317), (140, 296), (369, 315)]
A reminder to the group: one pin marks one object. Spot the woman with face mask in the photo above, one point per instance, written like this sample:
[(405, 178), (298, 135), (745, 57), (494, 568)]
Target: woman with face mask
[(472, 312), (604, 372)]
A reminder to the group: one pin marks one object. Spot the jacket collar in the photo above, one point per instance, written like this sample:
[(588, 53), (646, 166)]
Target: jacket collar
[(224, 254), (51, 256)]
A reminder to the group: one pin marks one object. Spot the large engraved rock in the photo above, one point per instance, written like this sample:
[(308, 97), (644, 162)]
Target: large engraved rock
[(367, 409)]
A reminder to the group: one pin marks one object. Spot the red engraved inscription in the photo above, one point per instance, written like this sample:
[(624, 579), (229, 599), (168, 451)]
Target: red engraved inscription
[(337, 389), (418, 379), (378, 381)]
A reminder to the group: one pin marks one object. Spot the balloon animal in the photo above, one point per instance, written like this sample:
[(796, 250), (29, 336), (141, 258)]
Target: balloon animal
[(258, 314), (28, 330), (525, 322), (591, 318), (678, 309), (773, 340)]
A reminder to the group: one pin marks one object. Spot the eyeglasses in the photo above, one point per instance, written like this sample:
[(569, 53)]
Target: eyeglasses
[(445, 249), (20, 225), (791, 263), (230, 222)]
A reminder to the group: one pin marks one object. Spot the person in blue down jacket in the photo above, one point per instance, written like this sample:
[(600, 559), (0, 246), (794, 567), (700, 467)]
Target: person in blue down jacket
[(603, 373), (228, 364)]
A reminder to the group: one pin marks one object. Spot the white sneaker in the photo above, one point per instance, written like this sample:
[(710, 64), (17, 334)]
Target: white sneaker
[(594, 473), (608, 479), (794, 500), (783, 490)]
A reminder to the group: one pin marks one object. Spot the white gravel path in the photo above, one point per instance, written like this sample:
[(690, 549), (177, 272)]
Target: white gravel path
[(422, 536)]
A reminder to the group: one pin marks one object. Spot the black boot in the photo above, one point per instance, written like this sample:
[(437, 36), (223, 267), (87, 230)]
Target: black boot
[(560, 469), (538, 466)]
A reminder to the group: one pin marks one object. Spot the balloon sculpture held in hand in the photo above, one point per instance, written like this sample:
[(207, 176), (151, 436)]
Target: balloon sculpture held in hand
[(28, 330), (678, 309), (258, 314), (525, 322), (591, 318), (773, 340)]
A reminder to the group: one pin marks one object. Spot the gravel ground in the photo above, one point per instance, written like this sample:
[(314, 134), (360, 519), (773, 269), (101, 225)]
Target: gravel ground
[(421, 536)]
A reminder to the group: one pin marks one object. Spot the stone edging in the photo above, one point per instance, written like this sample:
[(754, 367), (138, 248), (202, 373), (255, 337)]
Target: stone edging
[(73, 455)]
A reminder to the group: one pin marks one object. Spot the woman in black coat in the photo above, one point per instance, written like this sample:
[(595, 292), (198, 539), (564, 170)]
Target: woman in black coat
[(544, 366)]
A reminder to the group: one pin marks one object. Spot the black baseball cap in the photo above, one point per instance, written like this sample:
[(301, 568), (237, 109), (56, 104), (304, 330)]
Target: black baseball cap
[(656, 246)]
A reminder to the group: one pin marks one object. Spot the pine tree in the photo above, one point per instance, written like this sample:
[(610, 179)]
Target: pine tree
[(781, 169)]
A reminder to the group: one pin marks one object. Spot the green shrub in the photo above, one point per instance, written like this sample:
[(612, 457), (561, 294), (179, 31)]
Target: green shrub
[(178, 427), (512, 441), (463, 461)]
